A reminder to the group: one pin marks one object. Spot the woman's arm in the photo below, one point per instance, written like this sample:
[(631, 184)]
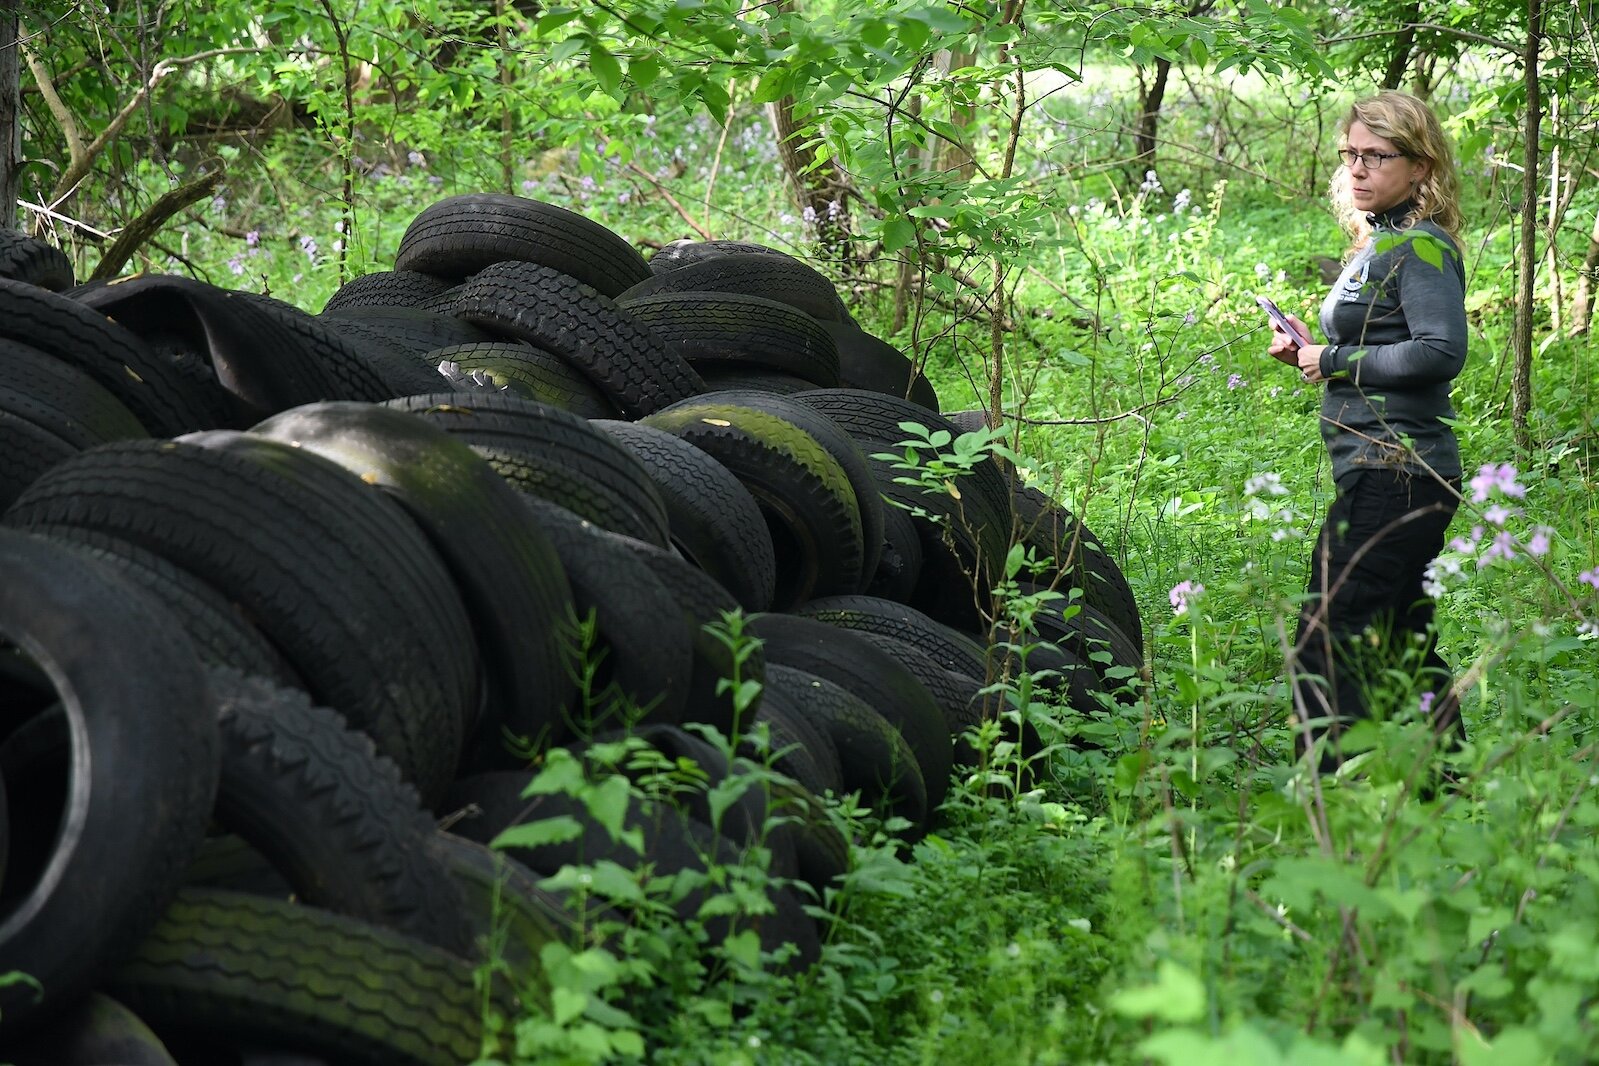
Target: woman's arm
[(1434, 304)]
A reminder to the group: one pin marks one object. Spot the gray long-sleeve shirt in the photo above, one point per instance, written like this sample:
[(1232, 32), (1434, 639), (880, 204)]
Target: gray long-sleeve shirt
[(1396, 330)]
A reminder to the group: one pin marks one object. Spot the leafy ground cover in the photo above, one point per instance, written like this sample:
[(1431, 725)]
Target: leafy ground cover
[(1182, 892)]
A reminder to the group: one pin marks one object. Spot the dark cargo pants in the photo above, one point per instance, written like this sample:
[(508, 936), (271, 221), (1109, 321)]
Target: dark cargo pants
[(1366, 610)]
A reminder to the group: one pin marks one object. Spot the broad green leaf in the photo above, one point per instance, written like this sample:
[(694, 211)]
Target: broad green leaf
[(567, 1004), (644, 70), (607, 71), (608, 803), (559, 829), (898, 233)]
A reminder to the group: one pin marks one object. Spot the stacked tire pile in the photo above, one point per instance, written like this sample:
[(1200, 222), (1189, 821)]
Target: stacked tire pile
[(281, 593)]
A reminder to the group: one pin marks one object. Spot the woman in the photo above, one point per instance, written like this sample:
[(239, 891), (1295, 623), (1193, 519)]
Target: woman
[(1395, 323)]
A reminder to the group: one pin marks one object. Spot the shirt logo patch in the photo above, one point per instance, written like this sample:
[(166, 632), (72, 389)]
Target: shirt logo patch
[(1352, 284)]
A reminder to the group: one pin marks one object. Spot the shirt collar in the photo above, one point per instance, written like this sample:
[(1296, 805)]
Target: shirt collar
[(1392, 218)]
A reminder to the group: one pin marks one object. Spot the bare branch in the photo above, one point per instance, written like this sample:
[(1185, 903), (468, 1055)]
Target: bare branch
[(667, 194), (84, 156), (1447, 31), (62, 114), (140, 230)]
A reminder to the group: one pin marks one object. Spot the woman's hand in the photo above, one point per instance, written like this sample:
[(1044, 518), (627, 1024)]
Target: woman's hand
[(1285, 349), (1309, 362), (1304, 358)]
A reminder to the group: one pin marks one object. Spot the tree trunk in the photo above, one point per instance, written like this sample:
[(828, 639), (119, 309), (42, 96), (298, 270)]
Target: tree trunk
[(820, 190), (1150, 98), (1404, 44), (10, 112), (1527, 250)]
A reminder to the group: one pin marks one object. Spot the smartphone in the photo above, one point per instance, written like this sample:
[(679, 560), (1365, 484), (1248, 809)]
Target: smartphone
[(1281, 319)]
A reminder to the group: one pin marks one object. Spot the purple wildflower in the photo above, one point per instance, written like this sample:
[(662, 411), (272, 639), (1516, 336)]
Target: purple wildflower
[(1182, 592)]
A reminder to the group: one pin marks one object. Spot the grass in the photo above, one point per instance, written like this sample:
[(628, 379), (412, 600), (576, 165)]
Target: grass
[(1185, 895)]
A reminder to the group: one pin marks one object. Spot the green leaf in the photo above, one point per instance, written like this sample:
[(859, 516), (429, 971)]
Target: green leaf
[(562, 774), (1514, 1046), (567, 1004), (914, 35), (557, 830), (898, 233), (566, 49), (716, 100), (608, 804), (644, 71), (607, 71), (1176, 996), (555, 19)]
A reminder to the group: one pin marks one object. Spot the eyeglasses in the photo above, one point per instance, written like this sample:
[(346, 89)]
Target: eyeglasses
[(1369, 160)]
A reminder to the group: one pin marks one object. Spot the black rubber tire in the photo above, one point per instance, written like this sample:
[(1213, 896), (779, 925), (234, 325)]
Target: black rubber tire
[(1070, 679), (34, 262), (978, 521), (1081, 559), (254, 969), (387, 288), (712, 520), (709, 328), (774, 277), (30, 450), (134, 802), (404, 329), (61, 398), (700, 769), (332, 571), (672, 842), (511, 916), (899, 568), (157, 392), (530, 372), (798, 745), (507, 571), (623, 357), (951, 649), (850, 660), (958, 695), (704, 602), (642, 634), (866, 361), (821, 850), (553, 455), (249, 356), (222, 635), (842, 447), (1091, 637), (731, 376), (329, 814), (459, 236), (874, 757), (803, 492), (98, 1031), (687, 252)]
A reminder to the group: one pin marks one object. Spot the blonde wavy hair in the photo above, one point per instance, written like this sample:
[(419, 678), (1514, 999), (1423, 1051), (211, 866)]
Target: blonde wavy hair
[(1414, 130)]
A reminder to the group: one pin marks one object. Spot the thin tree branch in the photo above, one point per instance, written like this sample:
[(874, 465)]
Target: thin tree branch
[(140, 230), (666, 193), (84, 158), (1447, 31)]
